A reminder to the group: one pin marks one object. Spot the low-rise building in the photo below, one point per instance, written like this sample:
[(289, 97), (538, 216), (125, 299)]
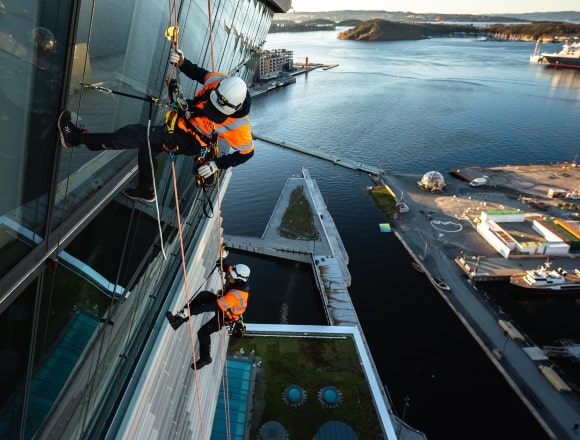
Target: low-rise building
[(274, 62)]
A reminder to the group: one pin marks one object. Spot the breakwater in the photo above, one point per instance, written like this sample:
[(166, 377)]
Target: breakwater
[(347, 163)]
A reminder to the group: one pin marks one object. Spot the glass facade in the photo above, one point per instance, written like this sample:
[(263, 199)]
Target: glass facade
[(83, 278), (33, 42)]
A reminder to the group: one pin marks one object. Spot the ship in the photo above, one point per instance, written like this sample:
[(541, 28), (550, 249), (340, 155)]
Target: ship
[(568, 57), (544, 279)]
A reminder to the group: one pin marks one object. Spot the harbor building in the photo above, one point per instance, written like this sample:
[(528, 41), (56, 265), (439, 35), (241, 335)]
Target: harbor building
[(273, 62)]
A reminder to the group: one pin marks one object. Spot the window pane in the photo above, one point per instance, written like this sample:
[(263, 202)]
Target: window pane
[(32, 55), (16, 325)]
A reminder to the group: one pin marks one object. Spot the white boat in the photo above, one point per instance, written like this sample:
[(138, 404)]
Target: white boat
[(417, 267), (546, 279), (441, 284), (569, 56)]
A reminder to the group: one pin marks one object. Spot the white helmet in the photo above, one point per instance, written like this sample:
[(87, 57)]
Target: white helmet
[(229, 95), (239, 272)]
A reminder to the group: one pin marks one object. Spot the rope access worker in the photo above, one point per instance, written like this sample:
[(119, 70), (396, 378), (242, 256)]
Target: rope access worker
[(219, 111), (228, 309)]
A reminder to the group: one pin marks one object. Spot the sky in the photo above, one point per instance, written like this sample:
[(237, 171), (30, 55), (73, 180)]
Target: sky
[(440, 6)]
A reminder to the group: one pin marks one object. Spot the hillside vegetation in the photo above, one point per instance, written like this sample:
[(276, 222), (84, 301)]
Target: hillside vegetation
[(411, 17), (383, 30), (533, 31)]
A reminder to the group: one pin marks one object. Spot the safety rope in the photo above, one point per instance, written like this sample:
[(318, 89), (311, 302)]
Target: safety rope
[(223, 343), (155, 187), (210, 26), (175, 99), (96, 354), (186, 292), (173, 90)]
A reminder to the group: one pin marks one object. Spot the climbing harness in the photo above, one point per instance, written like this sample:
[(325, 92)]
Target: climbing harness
[(238, 328)]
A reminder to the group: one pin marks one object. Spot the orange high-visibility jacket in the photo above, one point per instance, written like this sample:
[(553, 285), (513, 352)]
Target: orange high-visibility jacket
[(237, 132), (233, 303)]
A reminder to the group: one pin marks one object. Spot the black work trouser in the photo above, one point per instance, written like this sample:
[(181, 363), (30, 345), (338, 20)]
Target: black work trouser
[(135, 136), (204, 335), (213, 325)]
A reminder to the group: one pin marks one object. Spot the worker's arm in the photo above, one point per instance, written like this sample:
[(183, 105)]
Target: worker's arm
[(193, 71), (232, 160)]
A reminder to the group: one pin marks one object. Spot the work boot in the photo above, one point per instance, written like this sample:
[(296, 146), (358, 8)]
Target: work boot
[(175, 320), (145, 195), (70, 134), (201, 362)]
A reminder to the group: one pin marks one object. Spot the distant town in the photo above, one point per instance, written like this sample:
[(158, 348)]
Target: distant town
[(278, 68), (410, 17)]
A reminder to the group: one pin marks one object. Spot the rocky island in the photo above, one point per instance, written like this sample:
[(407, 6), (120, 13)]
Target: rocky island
[(384, 30)]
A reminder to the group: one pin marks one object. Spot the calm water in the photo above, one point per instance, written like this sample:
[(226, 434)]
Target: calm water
[(413, 107)]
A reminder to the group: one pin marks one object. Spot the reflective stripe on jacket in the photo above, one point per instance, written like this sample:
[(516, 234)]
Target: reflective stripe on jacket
[(237, 132), (233, 303)]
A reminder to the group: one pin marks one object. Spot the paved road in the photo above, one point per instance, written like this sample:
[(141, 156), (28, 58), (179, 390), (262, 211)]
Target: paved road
[(436, 230)]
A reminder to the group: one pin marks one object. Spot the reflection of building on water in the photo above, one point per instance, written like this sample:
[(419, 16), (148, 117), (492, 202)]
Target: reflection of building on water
[(565, 79)]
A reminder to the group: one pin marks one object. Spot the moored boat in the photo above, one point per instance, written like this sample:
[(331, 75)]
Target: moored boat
[(569, 56), (544, 279), (417, 267), (441, 284)]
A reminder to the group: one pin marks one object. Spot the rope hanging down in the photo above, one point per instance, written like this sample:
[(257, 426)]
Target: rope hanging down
[(176, 100), (221, 246)]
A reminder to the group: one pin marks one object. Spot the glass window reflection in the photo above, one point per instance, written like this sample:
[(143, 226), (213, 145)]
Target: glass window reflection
[(32, 58)]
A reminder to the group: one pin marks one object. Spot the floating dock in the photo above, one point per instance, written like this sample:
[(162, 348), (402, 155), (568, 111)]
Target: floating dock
[(510, 330), (554, 379), (326, 254), (456, 172)]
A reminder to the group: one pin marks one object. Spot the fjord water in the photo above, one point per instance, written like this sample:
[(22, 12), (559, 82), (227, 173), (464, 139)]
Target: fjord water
[(410, 106)]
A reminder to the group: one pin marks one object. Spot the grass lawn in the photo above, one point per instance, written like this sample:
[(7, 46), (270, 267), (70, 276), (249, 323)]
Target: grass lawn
[(383, 199), (297, 222), (311, 363)]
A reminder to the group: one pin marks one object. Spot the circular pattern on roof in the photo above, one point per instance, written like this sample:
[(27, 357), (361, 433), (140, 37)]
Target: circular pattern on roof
[(273, 430), (330, 397), (294, 395), (335, 429)]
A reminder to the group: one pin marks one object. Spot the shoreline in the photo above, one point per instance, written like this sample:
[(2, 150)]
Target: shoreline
[(421, 232), (508, 187), (433, 250)]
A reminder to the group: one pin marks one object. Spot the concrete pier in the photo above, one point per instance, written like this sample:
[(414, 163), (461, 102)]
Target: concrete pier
[(347, 163), (326, 254)]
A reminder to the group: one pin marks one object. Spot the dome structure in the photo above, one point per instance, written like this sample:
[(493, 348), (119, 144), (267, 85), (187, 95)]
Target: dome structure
[(273, 430), (330, 397), (294, 395), (432, 181)]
